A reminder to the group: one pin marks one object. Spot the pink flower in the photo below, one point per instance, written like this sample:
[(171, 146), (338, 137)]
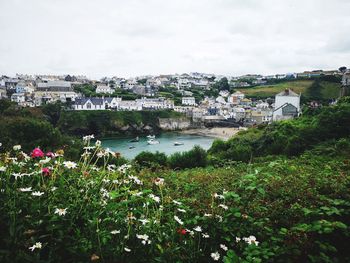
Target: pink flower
[(37, 153), (46, 171), (50, 154)]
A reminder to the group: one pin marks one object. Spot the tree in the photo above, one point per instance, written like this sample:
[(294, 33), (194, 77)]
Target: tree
[(222, 84), (342, 69)]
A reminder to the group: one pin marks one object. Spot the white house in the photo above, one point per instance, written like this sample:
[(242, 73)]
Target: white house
[(104, 89), (287, 105), (191, 101), (155, 103), (236, 97), (96, 103), (18, 98)]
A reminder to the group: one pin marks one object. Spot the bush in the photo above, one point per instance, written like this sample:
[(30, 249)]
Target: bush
[(148, 159), (197, 157)]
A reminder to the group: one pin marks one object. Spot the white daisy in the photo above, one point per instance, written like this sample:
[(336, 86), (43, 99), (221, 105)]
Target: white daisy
[(178, 220), (198, 229), (215, 256), (26, 189), (17, 147), (70, 165), (37, 193), (61, 211), (223, 247), (127, 249), (114, 232), (37, 245)]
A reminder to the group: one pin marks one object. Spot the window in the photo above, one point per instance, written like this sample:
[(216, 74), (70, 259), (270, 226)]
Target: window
[(88, 105)]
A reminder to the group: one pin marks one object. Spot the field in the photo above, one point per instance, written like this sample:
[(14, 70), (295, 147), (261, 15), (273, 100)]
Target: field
[(328, 90)]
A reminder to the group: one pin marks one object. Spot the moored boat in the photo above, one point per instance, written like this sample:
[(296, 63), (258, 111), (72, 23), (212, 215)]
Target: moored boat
[(135, 139), (152, 141), (178, 143)]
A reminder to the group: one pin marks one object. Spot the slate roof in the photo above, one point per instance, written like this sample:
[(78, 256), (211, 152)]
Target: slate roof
[(288, 92)]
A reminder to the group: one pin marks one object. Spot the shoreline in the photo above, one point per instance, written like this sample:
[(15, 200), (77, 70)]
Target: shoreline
[(220, 133)]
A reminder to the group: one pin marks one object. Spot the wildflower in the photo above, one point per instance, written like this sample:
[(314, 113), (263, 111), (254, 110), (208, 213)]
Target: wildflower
[(181, 210), (45, 171), (37, 193), (182, 231), (50, 154), (26, 189), (208, 215), (177, 219), (215, 256), (111, 167), (251, 240), (205, 235), (2, 168), (223, 206), (88, 137), (46, 160), (123, 168), (98, 143), (159, 181), (114, 232), (70, 165), (144, 239), (198, 229), (17, 175), (223, 247), (61, 211), (59, 153), (177, 202), (144, 221), (218, 196), (17, 147), (154, 197), (37, 153), (53, 188), (238, 239), (37, 245), (127, 249)]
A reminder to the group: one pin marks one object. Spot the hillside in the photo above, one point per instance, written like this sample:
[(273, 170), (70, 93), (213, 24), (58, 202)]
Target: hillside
[(325, 89)]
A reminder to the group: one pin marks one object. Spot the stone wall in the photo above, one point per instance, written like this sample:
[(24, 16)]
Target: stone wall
[(173, 124)]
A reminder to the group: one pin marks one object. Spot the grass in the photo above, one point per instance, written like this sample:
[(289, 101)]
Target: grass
[(329, 90)]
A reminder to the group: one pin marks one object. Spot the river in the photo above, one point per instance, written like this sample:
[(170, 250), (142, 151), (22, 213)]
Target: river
[(166, 144)]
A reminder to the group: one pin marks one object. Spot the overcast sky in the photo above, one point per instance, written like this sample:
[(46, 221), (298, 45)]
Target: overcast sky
[(138, 37)]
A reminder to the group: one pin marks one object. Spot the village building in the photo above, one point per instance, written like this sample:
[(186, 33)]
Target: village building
[(287, 105), (189, 101), (52, 91), (104, 89)]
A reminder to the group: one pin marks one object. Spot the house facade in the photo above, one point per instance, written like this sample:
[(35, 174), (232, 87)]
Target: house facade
[(287, 105), (190, 101)]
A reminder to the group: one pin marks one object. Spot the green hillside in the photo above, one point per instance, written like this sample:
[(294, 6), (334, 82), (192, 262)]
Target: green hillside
[(323, 89)]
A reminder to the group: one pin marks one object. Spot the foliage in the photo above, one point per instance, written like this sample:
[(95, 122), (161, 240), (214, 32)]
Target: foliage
[(290, 137), (148, 159), (285, 210), (105, 123), (197, 157)]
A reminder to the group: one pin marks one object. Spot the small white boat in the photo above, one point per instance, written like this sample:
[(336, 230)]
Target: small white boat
[(178, 143), (151, 136), (152, 141)]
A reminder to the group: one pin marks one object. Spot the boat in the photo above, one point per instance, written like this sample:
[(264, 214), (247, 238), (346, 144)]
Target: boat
[(151, 136), (152, 141), (178, 143), (131, 147), (135, 139)]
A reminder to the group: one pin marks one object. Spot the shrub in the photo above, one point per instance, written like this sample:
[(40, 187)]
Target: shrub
[(148, 159), (197, 157)]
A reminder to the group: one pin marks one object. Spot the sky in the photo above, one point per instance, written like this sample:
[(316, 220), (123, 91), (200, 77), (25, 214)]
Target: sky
[(126, 38)]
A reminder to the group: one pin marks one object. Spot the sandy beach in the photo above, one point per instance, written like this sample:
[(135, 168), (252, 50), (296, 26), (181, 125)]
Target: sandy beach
[(221, 133)]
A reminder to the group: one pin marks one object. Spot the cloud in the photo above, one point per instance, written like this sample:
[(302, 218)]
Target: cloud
[(137, 37)]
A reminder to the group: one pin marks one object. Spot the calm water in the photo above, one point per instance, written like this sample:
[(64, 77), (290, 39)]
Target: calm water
[(166, 144)]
